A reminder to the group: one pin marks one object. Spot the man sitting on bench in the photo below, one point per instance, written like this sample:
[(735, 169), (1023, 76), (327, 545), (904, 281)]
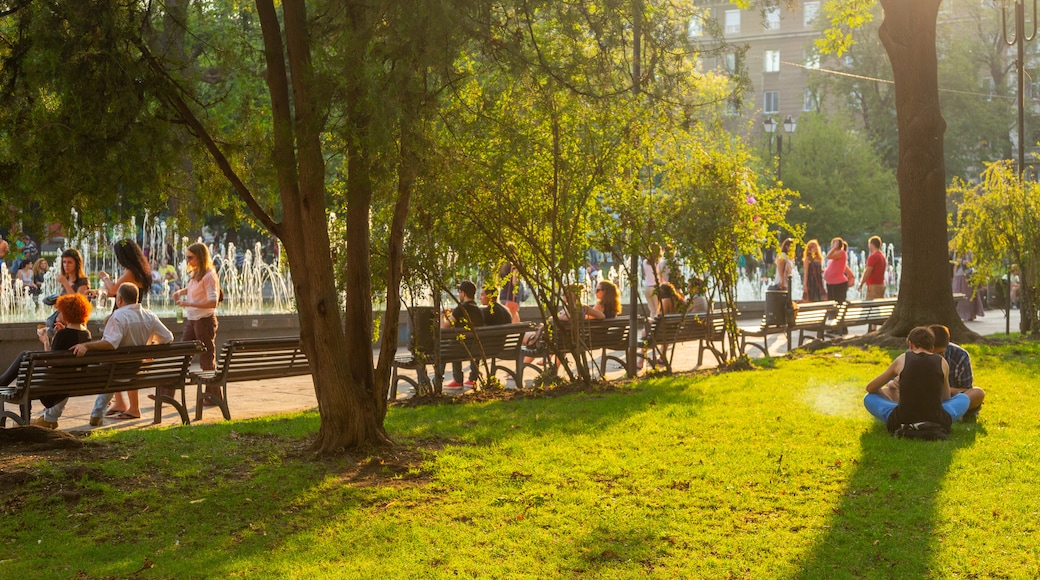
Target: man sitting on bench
[(129, 325), (465, 316)]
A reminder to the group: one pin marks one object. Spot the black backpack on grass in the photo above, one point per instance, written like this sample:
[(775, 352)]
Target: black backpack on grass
[(925, 430)]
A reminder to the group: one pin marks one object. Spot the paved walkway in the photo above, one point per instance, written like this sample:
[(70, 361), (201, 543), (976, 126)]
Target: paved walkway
[(260, 398)]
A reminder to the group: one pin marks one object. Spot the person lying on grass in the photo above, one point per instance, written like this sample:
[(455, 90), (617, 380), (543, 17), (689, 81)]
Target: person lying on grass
[(923, 393)]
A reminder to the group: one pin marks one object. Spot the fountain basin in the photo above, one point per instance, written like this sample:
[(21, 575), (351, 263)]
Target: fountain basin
[(18, 336)]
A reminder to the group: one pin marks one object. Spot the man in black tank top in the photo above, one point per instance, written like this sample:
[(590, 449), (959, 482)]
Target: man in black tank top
[(923, 393)]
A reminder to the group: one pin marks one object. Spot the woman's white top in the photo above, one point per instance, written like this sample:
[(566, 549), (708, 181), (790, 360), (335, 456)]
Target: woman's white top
[(649, 281), (201, 291)]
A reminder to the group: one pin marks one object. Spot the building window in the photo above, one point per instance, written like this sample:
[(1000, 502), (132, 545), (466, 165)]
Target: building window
[(696, 29), (810, 102), (772, 18), (732, 22), (771, 103), (772, 61), (812, 59), (810, 10), (731, 62)]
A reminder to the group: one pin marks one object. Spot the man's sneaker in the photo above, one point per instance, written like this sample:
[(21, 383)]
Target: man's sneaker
[(470, 384), (971, 416), (97, 421), (41, 422), (453, 385)]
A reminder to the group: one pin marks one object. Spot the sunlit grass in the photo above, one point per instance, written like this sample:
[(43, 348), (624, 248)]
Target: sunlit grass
[(777, 473)]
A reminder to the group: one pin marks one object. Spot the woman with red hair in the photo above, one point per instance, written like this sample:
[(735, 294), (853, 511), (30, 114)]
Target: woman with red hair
[(73, 313)]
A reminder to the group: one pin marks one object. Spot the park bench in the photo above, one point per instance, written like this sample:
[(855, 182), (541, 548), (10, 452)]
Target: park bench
[(163, 366), (671, 329), (858, 312), (806, 317), (249, 359), (607, 336), (484, 345)]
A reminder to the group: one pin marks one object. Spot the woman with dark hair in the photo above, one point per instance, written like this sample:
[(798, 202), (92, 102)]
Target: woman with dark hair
[(135, 269), (72, 277), (784, 265), (199, 300), (137, 272), (606, 305), (834, 274)]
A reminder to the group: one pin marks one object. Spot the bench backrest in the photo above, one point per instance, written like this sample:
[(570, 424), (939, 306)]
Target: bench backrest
[(483, 342), (609, 333), (137, 367), (253, 359), (673, 328), (812, 314), (868, 311)]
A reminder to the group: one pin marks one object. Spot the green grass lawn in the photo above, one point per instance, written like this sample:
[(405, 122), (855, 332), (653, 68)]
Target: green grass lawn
[(775, 473)]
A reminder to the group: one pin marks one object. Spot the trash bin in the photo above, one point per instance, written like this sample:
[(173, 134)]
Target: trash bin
[(424, 320), (777, 305)]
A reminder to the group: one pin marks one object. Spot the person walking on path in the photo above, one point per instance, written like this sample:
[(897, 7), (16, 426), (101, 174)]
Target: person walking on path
[(137, 272), (873, 276), (199, 299), (655, 271)]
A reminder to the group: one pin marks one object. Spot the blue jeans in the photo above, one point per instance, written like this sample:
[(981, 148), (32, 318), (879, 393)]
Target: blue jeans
[(54, 412), (881, 407), (101, 405)]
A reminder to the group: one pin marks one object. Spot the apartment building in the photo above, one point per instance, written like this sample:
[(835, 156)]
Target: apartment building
[(779, 56)]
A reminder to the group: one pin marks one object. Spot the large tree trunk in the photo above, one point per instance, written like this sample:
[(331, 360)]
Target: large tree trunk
[(341, 362), (925, 288)]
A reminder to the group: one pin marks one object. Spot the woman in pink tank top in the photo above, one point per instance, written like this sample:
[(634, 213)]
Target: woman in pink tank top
[(834, 274)]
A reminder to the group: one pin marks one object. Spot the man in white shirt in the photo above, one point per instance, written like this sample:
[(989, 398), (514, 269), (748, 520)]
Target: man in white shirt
[(129, 325)]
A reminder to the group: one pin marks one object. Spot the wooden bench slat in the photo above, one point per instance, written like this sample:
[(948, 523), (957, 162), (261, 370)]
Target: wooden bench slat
[(249, 359), (99, 372)]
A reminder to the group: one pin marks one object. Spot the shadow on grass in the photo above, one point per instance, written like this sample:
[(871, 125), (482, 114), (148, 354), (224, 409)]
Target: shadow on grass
[(179, 501), (567, 415), (884, 525)]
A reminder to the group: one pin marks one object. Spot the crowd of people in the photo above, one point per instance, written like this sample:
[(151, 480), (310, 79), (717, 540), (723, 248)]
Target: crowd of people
[(931, 383), (129, 324)]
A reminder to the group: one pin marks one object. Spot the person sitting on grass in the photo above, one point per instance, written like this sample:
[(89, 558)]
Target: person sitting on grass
[(923, 391), (959, 360)]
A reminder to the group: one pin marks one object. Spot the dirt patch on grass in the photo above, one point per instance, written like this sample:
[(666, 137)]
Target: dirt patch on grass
[(488, 395), (396, 466)]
